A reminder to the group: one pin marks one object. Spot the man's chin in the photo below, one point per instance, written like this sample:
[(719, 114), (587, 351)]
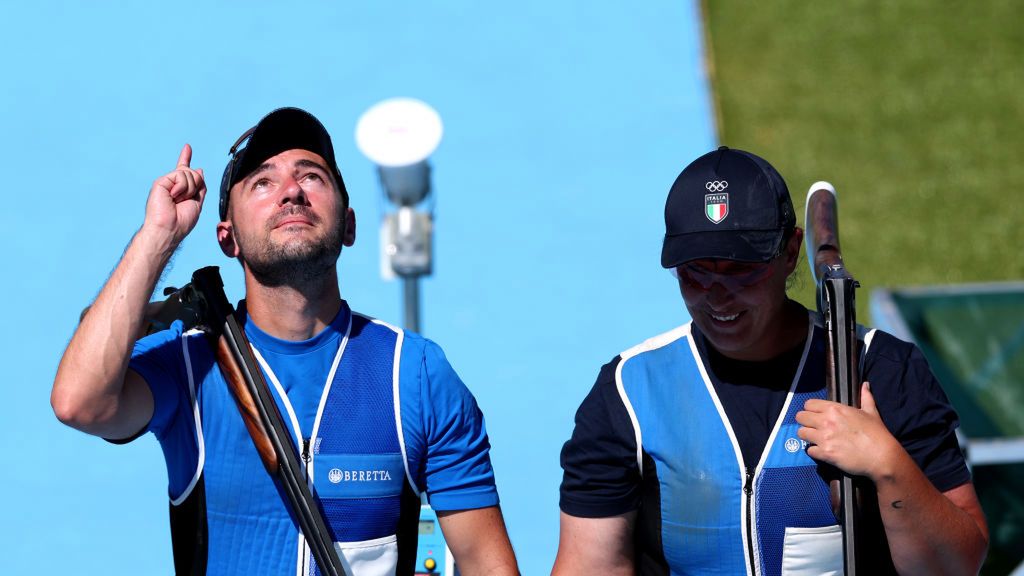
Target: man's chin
[(293, 269)]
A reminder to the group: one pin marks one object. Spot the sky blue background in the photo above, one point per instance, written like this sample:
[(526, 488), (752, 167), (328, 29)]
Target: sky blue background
[(565, 125)]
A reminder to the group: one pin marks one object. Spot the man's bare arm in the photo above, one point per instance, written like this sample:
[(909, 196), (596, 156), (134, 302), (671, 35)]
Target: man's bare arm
[(595, 546), (479, 541), (94, 391)]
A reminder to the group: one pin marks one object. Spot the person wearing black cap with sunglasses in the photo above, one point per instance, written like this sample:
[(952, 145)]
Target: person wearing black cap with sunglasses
[(382, 419), (707, 449)]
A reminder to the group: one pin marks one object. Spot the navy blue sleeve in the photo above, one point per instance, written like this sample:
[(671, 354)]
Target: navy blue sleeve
[(458, 469), (915, 409), (600, 476)]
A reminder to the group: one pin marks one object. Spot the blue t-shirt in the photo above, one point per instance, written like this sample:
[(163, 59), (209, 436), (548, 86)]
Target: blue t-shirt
[(384, 399)]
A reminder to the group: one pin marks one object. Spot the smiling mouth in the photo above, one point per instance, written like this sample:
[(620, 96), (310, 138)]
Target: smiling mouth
[(725, 318)]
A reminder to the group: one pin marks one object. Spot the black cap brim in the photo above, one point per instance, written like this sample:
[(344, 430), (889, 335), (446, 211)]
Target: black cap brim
[(745, 246)]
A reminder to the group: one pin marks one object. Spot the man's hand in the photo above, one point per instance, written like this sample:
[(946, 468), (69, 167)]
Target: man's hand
[(176, 199), (855, 440)]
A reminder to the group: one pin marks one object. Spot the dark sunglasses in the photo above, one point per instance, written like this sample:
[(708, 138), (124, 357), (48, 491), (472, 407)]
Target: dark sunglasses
[(225, 182), (738, 276)]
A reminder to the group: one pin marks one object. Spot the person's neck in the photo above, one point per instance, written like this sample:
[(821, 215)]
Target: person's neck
[(293, 312), (793, 329)]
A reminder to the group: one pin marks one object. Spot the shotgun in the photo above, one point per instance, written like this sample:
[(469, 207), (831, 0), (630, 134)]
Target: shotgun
[(835, 287), (203, 302)]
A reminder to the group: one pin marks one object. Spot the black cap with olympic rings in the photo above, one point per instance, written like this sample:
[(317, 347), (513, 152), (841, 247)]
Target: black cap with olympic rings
[(728, 204)]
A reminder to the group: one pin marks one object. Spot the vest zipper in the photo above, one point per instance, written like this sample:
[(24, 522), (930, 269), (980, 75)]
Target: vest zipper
[(305, 455), (307, 559), (748, 489)]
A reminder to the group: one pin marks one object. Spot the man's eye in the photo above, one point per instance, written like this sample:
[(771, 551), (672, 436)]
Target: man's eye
[(313, 177), (260, 184)]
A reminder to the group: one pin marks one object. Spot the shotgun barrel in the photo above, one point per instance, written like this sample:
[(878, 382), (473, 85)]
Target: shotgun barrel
[(836, 303)]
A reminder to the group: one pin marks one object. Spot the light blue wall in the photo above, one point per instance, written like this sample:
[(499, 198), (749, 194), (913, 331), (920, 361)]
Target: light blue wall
[(565, 124)]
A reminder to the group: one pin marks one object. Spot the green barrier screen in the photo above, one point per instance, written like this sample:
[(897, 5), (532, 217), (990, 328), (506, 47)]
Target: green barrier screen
[(973, 338)]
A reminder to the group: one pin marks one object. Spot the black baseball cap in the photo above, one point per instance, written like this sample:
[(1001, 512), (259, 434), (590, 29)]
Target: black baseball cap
[(727, 204), (281, 130)]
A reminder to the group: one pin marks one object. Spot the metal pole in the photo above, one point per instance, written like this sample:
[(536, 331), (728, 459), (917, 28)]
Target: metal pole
[(411, 288)]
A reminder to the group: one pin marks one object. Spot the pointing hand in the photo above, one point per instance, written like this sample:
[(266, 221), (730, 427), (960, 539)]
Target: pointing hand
[(176, 199)]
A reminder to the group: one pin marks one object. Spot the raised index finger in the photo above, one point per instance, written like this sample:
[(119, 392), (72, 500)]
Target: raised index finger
[(185, 158)]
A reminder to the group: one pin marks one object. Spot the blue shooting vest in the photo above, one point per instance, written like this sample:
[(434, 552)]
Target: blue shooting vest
[(355, 457), (719, 515)]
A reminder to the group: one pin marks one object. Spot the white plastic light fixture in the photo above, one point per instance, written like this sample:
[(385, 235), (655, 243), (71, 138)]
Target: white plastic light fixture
[(398, 132)]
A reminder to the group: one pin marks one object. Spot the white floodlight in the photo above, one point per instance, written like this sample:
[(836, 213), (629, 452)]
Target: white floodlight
[(399, 132), (398, 135)]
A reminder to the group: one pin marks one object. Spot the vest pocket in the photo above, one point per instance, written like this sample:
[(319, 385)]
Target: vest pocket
[(813, 551), (377, 557)]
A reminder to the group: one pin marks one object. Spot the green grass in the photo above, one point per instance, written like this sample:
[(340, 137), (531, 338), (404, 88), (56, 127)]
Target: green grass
[(913, 109)]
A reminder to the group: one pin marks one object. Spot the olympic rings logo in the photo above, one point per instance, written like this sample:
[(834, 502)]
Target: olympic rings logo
[(716, 185)]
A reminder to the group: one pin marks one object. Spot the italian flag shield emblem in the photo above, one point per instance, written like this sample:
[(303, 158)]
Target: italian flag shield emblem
[(716, 207)]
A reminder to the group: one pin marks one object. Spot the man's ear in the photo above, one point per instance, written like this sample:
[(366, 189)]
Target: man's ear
[(350, 228), (226, 239)]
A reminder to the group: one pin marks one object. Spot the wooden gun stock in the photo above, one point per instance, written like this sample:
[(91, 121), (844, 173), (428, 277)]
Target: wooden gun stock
[(246, 404)]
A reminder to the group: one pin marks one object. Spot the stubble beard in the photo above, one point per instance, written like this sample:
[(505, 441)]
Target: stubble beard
[(295, 263)]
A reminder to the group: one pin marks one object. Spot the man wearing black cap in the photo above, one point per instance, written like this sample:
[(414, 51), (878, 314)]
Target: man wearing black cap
[(703, 450), (381, 418)]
